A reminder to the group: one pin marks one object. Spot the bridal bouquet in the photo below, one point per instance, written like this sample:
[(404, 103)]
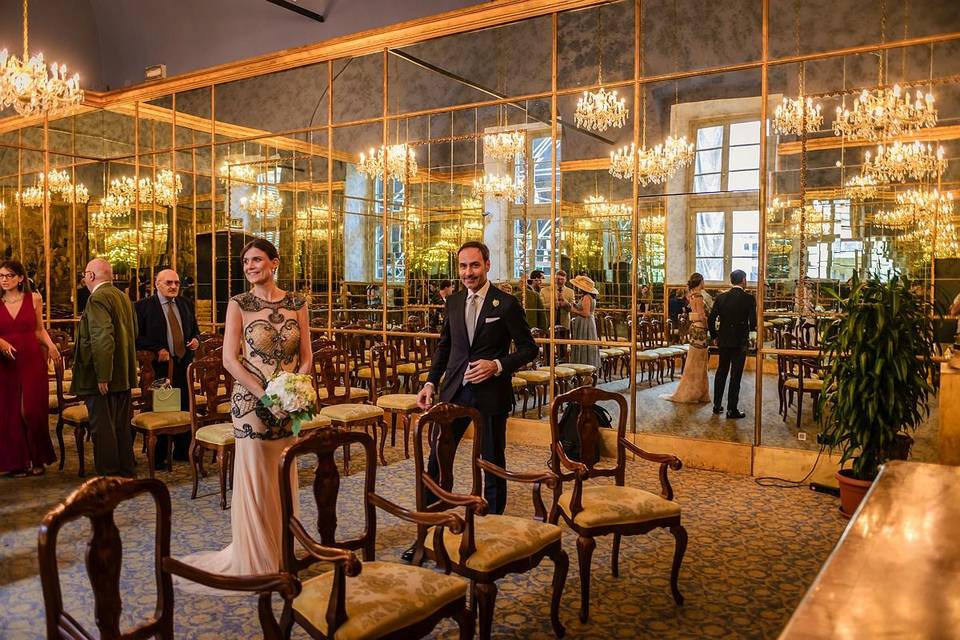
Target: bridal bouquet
[(294, 393)]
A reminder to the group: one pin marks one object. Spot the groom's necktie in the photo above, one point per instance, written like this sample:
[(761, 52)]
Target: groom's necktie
[(471, 316)]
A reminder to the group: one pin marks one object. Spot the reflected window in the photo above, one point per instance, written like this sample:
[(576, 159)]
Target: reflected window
[(396, 257), (728, 157), (532, 245), (832, 248), (540, 166), (394, 197), (727, 239)]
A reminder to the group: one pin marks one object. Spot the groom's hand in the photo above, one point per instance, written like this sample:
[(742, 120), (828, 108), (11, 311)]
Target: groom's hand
[(425, 397), (480, 370)]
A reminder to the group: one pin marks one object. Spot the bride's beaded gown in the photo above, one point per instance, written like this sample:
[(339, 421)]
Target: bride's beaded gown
[(271, 343), (694, 385)]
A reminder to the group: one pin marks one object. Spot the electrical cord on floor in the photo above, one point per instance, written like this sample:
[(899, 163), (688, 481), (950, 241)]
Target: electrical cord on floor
[(783, 483)]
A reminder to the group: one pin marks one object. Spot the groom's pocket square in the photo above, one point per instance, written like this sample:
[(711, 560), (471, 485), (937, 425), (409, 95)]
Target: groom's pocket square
[(489, 320)]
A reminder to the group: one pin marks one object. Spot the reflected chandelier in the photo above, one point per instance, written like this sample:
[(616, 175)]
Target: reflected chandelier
[(654, 166), (898, 161), (163, 192), (597, 207), (396, 162), (237, 172), (114, 206), (796, 117), (312, 222), (652, 224), (923, 203), (505, 145), (502, 186), (267, 204), (56, 182), (862, 187), (885, 113), (601, 109), (31, 88)]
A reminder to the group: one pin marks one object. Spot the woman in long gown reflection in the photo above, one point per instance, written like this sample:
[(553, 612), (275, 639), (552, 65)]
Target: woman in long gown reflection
[(270, 327), (694, 386)]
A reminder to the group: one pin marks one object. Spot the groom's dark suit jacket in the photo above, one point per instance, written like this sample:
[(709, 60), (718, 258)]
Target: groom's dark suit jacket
[(501, 320), (737, 312)]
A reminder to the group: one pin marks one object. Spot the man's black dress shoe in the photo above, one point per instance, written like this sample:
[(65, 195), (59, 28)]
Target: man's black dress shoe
[(407, 556), (717, 410), (736, 414)]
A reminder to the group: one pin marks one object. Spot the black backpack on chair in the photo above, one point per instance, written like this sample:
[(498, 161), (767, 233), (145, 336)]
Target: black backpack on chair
[(570, 436)]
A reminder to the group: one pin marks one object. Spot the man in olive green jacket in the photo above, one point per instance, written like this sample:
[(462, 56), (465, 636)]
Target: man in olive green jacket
[(105, 369)]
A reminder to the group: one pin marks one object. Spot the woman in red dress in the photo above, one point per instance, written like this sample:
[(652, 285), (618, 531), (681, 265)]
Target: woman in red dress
[(24, 428)]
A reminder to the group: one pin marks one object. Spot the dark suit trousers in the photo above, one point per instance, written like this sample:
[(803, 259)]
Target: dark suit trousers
[(178, 380), (111, 433), (493, 441), (732, 360)]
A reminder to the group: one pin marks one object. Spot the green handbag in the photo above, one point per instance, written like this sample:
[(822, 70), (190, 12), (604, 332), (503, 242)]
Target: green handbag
[(166, 399)]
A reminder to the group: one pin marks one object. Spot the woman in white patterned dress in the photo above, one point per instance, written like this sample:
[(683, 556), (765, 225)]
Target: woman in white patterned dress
[(270, 328)]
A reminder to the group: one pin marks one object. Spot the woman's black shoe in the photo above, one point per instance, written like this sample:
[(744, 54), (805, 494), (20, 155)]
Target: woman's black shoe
[(736, 414)]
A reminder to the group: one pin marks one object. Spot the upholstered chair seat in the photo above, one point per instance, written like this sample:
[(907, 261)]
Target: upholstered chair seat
[(364, 373), (500, 540), (316, 422), (398, 401), (517, 383), (383, 599), (647, 356), (559, 371), (541, 377), (347, 413), (76, 413), (605, 505), (216, 434), (356, 393), (809, 384), (580, 369), (153, 420)]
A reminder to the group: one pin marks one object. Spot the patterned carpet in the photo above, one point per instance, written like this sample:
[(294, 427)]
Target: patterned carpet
[(752, 554)]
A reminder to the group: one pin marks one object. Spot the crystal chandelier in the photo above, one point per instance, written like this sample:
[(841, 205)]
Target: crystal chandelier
[(57, 182), (862, 187), (601, 109), (504, 146), (243, 172), (794, 117), (396, 162), (31, 197), (114, 206), (896, 218), (597, 207), (652, 224), (654, 166), (922, 203), (166, 188), (31, 88), (267, 204), (885, 113), (498, 186), (79, 194), (898, 161), (311, 222), (163, 192), (471, 204)]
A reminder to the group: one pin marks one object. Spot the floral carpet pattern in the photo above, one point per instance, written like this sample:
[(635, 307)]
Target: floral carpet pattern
[(753, 552)]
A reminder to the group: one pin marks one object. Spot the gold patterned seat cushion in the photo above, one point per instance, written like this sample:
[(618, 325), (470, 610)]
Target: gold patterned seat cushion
[(808, 383), (356, 393), (517, 383), (616, 351), (346, 413), (217, 434), (152, 420), (559, 371), (407, 368), (364, 372), (224, 407), (54, 404), (316, 422), (534, 376), (500, 540), (384, 598), (609, 504), (647, 356), (136, 392), (398, 401), (76, 413), (580, 369)]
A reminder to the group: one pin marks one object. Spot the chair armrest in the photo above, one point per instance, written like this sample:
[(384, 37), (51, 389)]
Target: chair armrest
[(431, 519), (476, 503), (666, 460), (545, 477), (343, 557), (577, 468), (283, 583)]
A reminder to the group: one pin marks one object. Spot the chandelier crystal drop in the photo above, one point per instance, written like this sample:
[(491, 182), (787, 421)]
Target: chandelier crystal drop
[(885, 113), (652, 224), (55, 183), (31, 88), (596, 206), (113, 205), (924, 203), (265, 204), (600, 110), (862, 187), (795, 117), (237, 172), (166, 188), (505, 145), (656, 165), (31, 197), (498, 186), (396, 162), (898, 161)]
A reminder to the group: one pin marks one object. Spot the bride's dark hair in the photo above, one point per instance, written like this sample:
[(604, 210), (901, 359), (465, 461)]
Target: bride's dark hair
[(695, 281), (264, 245)]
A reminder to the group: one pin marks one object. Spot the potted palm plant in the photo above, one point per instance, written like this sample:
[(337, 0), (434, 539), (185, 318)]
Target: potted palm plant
[(876, 385)]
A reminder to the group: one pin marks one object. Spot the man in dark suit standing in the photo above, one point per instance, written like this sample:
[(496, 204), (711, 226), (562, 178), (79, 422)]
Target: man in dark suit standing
[(474, 357), (737, 311), (169, 329)]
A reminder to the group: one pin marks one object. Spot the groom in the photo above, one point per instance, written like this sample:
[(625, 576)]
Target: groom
[(474, 358), (737, 311)]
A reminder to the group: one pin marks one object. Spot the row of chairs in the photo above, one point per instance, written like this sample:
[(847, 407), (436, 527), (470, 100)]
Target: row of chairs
[(457, 533)]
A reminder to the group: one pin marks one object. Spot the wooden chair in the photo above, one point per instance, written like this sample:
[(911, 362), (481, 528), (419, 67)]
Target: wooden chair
[(599, 510), (385, 391), (96, 500), (490, 546), (153, 424), (337, 399), (537, 381), (357, 599), (211, 427), (71, 411), (801, 376), (209, 342)]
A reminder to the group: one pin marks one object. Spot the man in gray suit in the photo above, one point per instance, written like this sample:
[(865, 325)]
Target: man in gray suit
[(105, 369)]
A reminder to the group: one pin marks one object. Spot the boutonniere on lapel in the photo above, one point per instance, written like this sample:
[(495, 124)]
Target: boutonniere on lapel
[(495, 303)]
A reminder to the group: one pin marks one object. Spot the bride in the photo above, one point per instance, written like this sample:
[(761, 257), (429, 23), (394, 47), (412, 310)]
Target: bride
[(271, 329), (694, 386)]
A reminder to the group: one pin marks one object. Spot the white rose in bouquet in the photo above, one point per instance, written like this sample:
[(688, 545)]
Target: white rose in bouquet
[(294, 393)]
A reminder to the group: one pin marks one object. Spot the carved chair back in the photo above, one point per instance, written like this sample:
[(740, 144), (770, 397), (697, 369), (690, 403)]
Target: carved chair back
[(439, 423), (541, 359), (61, 339), (383, 370), (209, 342), (588, 430), (147, 377), (331, 371), (96, 500), (205, 377)]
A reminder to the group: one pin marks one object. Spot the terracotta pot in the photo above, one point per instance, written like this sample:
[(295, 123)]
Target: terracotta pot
[(851, 491)]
